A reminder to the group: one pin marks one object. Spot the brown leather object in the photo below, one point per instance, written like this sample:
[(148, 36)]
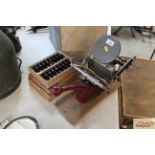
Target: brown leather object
[(80, 38), (138, 89)]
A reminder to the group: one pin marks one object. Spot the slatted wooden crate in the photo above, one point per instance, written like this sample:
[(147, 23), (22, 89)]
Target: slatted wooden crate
[(65, 75), (37, 72)]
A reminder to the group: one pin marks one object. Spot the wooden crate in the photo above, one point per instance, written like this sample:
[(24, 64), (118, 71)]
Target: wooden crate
[(138, 90), (49, 83), (62, 82), (63, 78), (41, 91), (46, 92)]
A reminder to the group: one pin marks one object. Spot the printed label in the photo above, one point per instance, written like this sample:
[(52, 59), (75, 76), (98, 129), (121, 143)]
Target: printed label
[(110, 42), (144, 123)]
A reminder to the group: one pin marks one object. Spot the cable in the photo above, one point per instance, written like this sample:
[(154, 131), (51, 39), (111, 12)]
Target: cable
[(29, 117)]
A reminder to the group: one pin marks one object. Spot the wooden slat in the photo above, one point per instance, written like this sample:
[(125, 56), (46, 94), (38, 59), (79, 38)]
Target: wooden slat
[(45, 95), (65, 81)]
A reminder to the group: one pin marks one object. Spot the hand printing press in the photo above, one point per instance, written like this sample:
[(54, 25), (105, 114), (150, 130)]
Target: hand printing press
[(102, 67), (93, 76)]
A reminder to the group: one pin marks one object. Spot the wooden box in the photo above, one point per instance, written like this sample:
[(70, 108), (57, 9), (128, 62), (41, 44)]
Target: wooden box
[(47, 67), (55, 79), (138, 91)]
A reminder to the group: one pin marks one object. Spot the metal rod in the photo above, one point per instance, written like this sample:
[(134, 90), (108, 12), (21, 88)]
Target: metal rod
[(152, 54)]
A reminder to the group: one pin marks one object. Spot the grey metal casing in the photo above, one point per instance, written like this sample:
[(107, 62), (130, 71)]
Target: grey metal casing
[(10, 76), (55, 37)]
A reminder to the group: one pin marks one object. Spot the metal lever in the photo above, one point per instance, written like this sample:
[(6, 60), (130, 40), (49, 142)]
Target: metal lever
[(56, 90), (82, 90), (128, 62)]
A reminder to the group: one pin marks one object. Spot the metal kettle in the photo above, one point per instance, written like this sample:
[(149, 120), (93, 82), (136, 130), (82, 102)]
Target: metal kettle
[(10, 75)]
